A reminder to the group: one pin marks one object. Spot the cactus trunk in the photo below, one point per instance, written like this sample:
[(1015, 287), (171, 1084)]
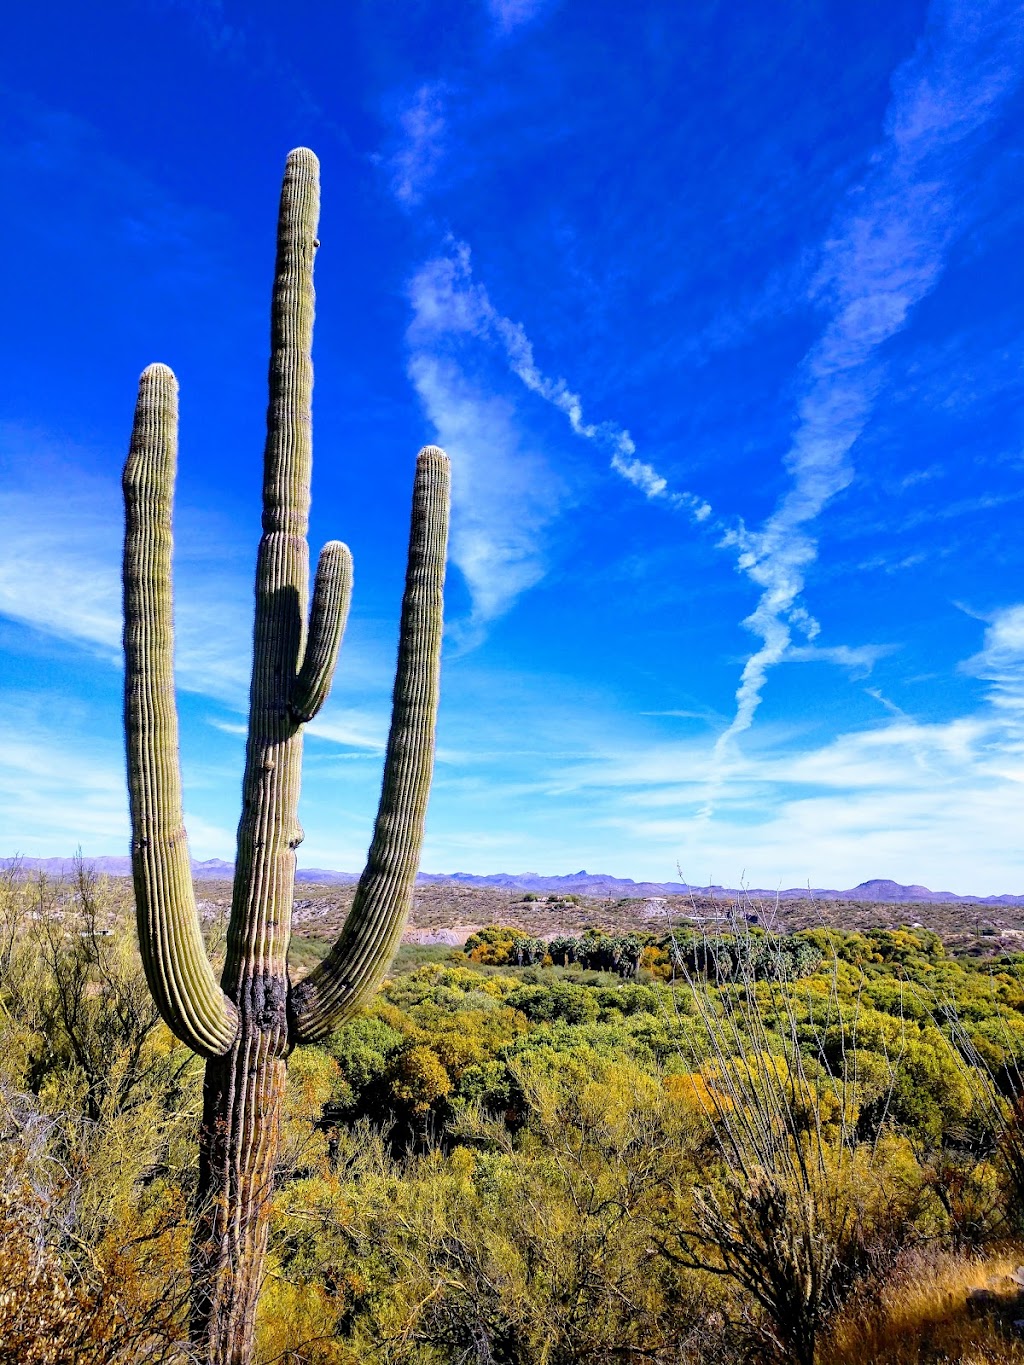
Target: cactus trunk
[(247, 1025), (244, 1089)]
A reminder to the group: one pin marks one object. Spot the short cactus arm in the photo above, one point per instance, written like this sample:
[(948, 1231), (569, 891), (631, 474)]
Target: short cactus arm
[(332, 593), (355, 965), (177, 968)]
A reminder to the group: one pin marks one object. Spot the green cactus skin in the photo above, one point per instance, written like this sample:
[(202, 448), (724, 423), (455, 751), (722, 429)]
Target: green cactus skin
[(352, 969), (247, 1025), (177, 969)]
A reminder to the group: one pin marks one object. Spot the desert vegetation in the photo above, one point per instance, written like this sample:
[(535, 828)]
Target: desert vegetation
[(741, 1147)]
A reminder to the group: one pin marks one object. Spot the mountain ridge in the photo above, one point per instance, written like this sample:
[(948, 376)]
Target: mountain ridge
[(876, 889)]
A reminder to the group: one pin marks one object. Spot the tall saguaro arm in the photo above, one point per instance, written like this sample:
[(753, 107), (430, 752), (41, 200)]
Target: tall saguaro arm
[(353, 968), (173, 954)]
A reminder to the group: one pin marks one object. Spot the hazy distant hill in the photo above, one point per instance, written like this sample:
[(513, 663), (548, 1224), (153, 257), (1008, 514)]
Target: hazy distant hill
[(600, 884), (113, 867), (581, 883)]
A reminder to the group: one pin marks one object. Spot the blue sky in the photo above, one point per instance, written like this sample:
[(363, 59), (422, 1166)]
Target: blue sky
[(717, 310)]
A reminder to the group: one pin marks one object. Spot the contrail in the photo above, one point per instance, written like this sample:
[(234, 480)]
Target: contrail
[(447, 298), (885, 253)]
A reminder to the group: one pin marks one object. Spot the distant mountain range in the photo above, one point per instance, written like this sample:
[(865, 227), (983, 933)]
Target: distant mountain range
[(600, 884), (575, 883)]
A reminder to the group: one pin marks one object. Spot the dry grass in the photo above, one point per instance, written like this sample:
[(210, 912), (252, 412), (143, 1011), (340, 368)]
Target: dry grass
[(924, 1316)]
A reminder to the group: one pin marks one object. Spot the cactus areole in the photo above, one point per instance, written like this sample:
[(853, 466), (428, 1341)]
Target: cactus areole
[(247, 1023)]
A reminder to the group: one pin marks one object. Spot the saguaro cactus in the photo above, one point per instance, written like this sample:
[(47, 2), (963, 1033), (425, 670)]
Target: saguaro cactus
[(247, 1024)]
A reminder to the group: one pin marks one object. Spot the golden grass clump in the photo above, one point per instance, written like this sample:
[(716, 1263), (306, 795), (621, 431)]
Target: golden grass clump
[(941, 1307)]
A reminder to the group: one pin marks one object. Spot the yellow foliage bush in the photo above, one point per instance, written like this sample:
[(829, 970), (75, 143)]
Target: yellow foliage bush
[(313, 1077), (419, 1078)]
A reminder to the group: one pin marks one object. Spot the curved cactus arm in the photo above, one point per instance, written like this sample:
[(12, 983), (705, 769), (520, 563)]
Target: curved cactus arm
[(355, 965), (332, 593), (177, 968)]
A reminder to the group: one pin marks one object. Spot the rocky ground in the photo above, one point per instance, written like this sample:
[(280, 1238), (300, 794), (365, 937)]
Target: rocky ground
[(445, 913)]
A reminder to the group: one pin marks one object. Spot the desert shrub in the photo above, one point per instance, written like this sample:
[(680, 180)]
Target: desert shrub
[(512, 1248), (493, 946), (419, 1079), (75, 1290), (560, 1000), (314, 1082), (633, 998), (363, 1049), (795, 1207), (726, 957)]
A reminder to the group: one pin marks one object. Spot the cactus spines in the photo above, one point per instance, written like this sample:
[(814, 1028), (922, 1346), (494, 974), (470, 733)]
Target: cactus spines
[(247, 1025)]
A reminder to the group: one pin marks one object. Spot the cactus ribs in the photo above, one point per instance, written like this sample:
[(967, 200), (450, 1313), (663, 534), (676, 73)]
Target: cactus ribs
[(246, 1024)]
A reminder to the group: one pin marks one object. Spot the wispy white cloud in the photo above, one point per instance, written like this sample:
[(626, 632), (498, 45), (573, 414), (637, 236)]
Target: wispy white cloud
[(504, 494), (510, 14), (1000, 661), (352, 728), (886, 251), (58, 787), (421, 145), (615, 440), (860, 659), (447, 299), (62, 784), (893, 564), (917, 800), (356, 728), (890, 706), (60, 567), (501, 556)]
